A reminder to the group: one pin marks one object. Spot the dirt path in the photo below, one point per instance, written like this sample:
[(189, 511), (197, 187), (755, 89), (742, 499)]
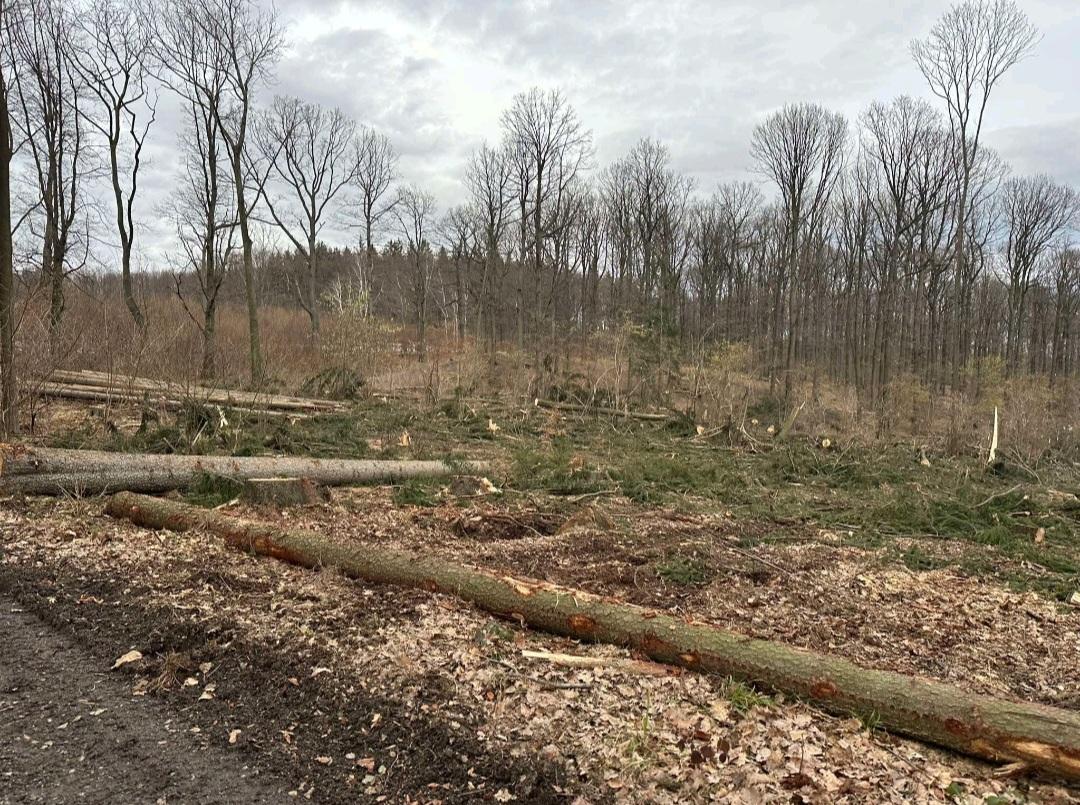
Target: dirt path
[(71, 732)]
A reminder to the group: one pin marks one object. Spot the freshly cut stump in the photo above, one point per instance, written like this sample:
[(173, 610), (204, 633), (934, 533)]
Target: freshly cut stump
[(283, 492), (1042, 738)]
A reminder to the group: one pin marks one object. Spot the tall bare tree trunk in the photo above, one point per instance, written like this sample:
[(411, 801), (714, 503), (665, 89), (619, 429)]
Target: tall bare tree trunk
[(9, 414), (254, 343), (126, 236), (313, 286)]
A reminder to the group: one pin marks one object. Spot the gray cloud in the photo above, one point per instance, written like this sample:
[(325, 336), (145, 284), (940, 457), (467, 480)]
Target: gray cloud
[(435, 75)]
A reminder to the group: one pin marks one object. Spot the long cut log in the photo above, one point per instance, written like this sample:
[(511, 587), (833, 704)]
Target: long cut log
[(646, 416), (219, 396), (66, 391), (1045, 738), (51, 471)]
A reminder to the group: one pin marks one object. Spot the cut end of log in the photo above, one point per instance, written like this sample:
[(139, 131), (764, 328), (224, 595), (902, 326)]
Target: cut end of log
[(283, 492)]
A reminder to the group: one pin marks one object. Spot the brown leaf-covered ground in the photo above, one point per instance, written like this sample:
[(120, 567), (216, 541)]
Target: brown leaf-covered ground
[(358, 693)]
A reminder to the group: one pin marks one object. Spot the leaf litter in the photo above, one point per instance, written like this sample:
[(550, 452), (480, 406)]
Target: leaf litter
[(597, 733)]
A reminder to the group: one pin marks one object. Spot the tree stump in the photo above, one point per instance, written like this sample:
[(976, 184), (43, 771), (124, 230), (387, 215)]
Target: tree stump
[(283, 492)]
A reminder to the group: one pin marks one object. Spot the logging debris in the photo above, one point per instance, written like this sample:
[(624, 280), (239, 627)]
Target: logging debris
[(629, 738), (103, 386), (646, 416), (1046, 738)]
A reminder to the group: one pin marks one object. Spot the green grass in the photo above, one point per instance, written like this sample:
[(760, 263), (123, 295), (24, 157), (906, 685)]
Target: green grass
[(213, 490), (416, 492), (744, 698), (917, 559), (685, 570), (558, 469), (878, 499)]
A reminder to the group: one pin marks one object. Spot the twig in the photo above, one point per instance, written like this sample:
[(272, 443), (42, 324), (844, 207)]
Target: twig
[(544, 683), (998, 495), (586, 495), (756, 558), (618, 663)]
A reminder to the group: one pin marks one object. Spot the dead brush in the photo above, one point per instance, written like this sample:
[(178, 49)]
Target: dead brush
[(176, 666)]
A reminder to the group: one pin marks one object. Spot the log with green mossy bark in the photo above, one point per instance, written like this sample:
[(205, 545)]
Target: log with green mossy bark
[(1045, 738), (50, 471)]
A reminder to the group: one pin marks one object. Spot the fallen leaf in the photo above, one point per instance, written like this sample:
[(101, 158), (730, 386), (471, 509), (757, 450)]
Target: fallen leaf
[(325, 760), (124, 659), (796, 780)]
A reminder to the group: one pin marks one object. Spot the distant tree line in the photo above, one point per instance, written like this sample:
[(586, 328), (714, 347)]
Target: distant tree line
[(896, 245)]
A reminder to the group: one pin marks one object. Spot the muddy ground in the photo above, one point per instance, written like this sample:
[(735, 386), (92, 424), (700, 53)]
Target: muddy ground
[(256, 679), (74, 733)]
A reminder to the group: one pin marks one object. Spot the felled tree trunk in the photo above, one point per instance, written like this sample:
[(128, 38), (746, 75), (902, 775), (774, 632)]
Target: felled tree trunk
[(601, 411), (179, 391), (50, 471), (1045, 738), (67, 391)]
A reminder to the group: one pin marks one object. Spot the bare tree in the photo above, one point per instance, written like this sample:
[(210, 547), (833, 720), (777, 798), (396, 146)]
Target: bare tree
[(376, 164), (461, 230), (415, 212), (308, 147), (204, 214), (1037, 211), (658, 203), (964, 57), (222, 52), (10, 20), (1065, 280), (801, 149), (589, 238), (50, 96), (489, 178), (550, 147), (896, 136), (111, 51)]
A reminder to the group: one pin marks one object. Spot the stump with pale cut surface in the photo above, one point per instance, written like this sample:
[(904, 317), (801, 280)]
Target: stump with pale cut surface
[(283, 492)]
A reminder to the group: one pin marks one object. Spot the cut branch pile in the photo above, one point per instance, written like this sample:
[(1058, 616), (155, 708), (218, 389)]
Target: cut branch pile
[(104, 387), (52, 471), (1042, 738)]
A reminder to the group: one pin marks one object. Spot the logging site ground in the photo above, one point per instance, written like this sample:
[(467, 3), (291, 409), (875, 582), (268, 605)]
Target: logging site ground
[(152, 666)]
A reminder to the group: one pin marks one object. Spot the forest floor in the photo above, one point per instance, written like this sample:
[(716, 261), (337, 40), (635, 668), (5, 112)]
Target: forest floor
[(321, 688)]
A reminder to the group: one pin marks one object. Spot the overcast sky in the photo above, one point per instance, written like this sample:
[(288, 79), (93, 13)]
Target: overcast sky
[(435, 76)]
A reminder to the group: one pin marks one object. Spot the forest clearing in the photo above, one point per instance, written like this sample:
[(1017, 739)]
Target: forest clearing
[(375, 429), (328, 687)]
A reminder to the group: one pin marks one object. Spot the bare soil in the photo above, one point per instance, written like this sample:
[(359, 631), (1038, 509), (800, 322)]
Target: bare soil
[(260, 707), (71, 731)]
